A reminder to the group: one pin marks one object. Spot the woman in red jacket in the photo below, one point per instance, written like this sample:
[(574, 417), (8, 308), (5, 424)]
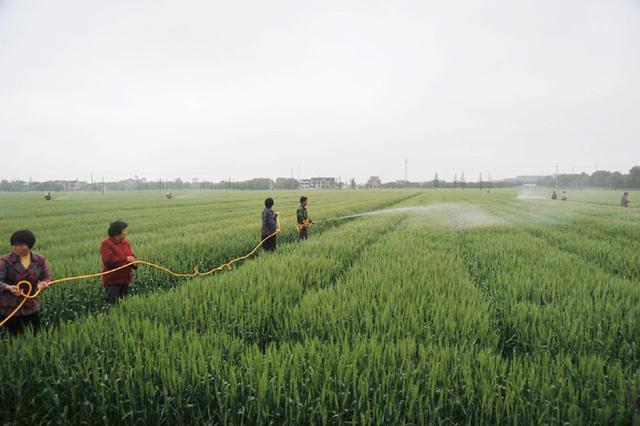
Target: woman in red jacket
[(116, 252)]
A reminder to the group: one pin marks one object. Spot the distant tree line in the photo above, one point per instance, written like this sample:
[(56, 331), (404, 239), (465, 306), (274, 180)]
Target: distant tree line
[(147, 185), (598, 179)]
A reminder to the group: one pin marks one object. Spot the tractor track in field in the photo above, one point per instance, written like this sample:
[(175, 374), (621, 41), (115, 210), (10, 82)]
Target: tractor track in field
[(510, 218), (339, 273), (506, 342)]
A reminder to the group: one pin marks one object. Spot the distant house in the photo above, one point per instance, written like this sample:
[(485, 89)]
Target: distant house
[(323, 183), (304, 184), (72, 185), (318, 183), (374, 182)]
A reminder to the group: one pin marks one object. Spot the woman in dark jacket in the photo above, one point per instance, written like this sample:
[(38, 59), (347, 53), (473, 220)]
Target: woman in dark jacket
[(22, 264), (269, 226)]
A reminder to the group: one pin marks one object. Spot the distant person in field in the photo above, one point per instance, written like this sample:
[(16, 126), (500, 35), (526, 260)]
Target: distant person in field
[(554, 196), (47, 196), (169, 195), (624, 201), (303, 220), (269, 226), (22, 264), (564, 196), (116, 252)]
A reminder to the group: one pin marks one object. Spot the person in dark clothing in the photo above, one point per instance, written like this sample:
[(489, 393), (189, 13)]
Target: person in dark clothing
[(624, 201), (269, 226), (116, 252), (47, 196), (22, 264), (554, 196), (303, 220)]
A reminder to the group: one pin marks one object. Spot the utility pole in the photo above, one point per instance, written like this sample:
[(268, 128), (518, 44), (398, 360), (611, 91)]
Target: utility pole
[(102, 185), (405, 170), (480, 181), (556, 177)]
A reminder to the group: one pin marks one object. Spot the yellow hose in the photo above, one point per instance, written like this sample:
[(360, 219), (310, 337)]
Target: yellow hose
[(195, 273)]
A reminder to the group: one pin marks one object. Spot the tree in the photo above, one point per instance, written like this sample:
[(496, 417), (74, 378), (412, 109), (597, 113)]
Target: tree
[(601, 178), (634, 177), (286, 183), (353, 183), (436, 181), (50, 186), (617, 180)]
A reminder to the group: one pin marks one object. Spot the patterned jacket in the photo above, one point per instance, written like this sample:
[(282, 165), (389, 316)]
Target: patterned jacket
[(11, 273), (269, 222)]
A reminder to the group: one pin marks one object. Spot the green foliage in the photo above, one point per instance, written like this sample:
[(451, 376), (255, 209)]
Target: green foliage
[(472, 308)]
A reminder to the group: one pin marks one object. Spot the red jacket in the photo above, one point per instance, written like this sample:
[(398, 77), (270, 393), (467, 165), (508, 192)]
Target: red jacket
[(114, 254)]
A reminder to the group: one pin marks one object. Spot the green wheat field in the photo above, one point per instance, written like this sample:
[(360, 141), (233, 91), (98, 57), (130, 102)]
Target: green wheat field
[(433, 307)]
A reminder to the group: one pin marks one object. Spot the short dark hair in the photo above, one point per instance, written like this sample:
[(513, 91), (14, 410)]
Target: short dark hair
[(116, 227), (23, 236), (268, 203), (303, 199)]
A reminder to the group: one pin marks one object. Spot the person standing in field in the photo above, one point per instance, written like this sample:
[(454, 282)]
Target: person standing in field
[(22, 264), (116, 252), (624, 201), (269, 226), (47, 195), (564, 196), (554, 196), (303, 220)]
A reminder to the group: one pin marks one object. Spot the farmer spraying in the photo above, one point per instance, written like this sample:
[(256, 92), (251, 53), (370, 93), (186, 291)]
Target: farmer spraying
[(624, 201), (47, 196), (169, 195), (303, 219), (564, 196), (116, 252), (269, 226)]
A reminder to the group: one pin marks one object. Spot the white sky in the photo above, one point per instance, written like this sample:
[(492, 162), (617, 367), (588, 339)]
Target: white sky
[(241, 89)]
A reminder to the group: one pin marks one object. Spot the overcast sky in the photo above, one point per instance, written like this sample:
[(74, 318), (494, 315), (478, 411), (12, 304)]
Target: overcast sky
[(241, 89)]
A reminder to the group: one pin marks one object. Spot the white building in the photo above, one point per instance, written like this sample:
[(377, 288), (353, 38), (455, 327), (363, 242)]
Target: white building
[(318, 183)]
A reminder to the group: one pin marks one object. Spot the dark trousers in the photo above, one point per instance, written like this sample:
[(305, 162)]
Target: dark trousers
[(269, 244), (19, 323), (114, 292), (303, 234)]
